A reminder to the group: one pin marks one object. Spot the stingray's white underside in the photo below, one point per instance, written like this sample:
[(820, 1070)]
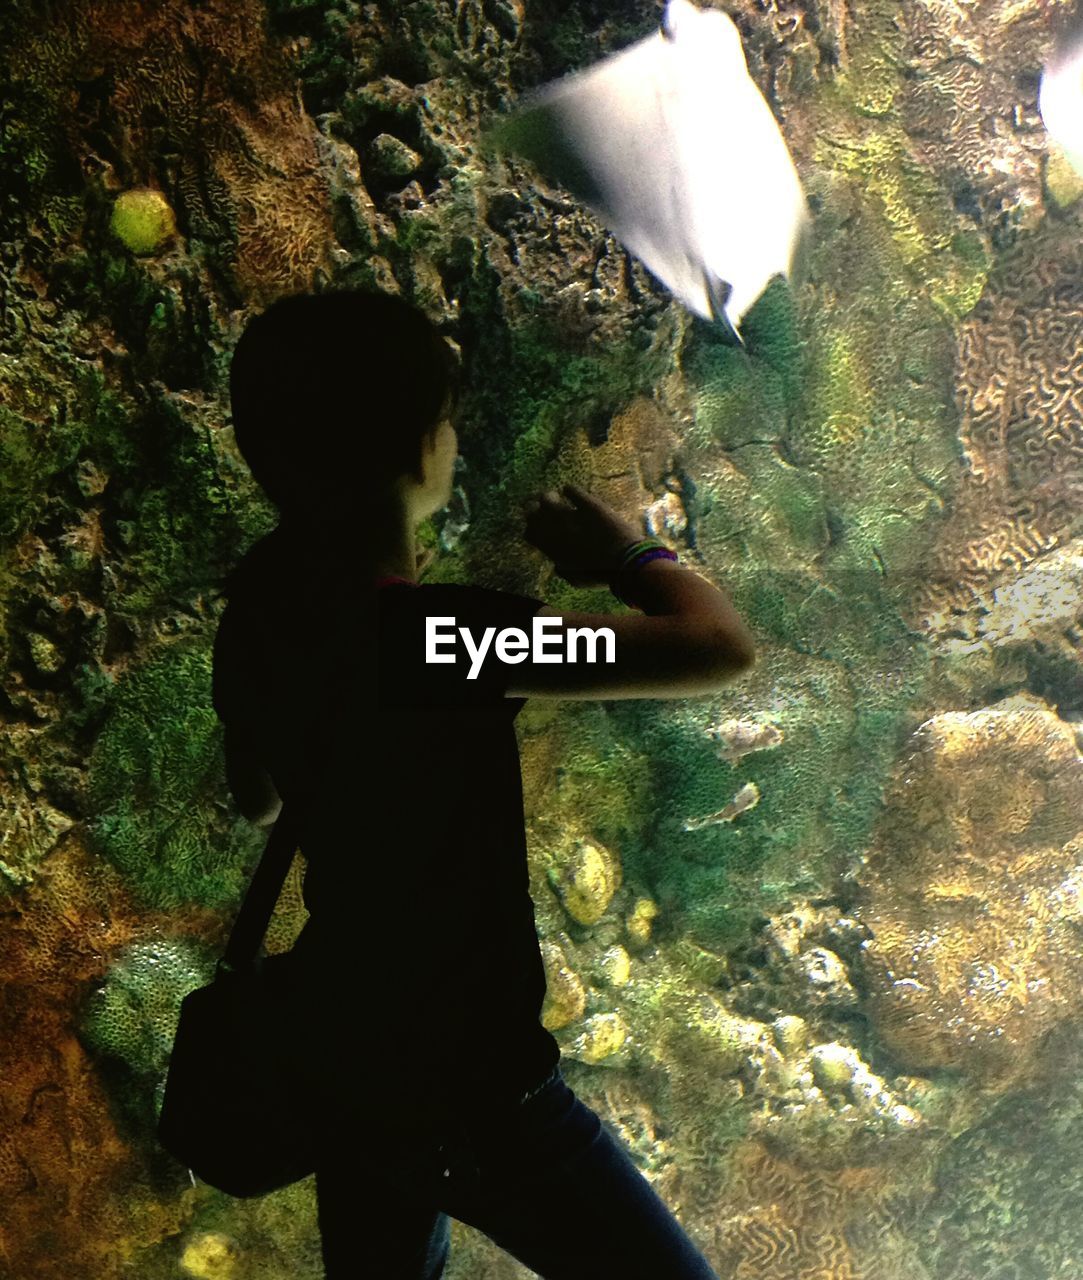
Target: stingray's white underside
[(688, 165), (1060, 99)]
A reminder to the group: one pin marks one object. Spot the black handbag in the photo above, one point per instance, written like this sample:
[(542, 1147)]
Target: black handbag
[(233, 1111)]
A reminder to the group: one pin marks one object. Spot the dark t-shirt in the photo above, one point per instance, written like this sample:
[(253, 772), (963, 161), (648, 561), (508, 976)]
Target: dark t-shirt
[(421, 930)]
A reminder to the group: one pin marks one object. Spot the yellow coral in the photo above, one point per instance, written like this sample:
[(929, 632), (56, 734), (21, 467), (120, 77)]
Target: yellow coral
[(974, 957), (605, 1035), (638, 924), (211, 1255), (616, 966), (143, 220), (565, 996), (587, 882)]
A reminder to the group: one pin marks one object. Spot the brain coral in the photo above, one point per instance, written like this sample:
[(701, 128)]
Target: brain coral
[(782, 1221), (970, 107), (1020, 397), (972, 892)]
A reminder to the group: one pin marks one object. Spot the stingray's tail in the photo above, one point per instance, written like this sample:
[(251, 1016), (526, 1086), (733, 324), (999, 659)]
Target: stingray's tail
[(718, 291)]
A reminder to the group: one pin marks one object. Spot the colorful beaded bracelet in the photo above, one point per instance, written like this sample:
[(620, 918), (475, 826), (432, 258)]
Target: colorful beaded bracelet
[(651, 553), (634, 557), (634, 548)]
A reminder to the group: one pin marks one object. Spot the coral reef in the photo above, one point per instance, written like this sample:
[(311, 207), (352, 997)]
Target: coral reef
[(1002, 1206), (781, 1220), (1018, 388), (158, 755), (811, 942), (586, 881), (134, 1015), (143, 220), (970, 893)]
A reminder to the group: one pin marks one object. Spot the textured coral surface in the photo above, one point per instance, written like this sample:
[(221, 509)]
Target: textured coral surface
[(812, 942), (972, 893)]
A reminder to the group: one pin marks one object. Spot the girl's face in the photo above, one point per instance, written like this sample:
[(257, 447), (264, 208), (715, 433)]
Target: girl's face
[(438, 460)]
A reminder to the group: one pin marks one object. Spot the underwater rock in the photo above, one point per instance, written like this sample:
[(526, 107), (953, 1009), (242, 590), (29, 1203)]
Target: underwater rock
[(780, 1073), (1039, 607), (784, 934), (666, 518), (827, 978), (739, 738), (390, 157), (565, 995), (973, 958), (44, 654), (616, 966), (143, 220), (791, 1032), (826, 1105), (587, 881), (211, 1255), (30, 827), (834, 1065), (639, 923), (603, 1036), (790, 963)]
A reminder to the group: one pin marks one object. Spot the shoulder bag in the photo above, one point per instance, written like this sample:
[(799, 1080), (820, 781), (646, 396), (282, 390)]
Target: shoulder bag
[(232, 1110)]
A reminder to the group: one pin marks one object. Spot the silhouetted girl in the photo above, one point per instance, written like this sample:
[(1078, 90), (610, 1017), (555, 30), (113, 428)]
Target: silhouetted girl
[(419, 978)]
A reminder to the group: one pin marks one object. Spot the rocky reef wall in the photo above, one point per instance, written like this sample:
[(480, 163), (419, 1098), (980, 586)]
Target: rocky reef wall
[(813, 944)]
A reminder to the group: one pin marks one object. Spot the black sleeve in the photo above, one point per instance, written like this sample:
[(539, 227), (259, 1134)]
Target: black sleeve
[(463, 681)]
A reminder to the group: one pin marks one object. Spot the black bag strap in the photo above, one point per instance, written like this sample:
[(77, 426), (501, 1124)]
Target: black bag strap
[(259, 902)]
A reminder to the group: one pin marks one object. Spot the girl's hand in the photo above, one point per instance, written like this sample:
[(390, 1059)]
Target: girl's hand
[(582, 535)]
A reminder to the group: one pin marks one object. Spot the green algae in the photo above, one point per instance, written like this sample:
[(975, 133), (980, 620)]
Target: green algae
[(840, 680), (869, 81), (947, 262), (604, 781), (154, 772)]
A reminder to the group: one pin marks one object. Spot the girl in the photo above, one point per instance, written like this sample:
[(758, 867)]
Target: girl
[(419, 980)]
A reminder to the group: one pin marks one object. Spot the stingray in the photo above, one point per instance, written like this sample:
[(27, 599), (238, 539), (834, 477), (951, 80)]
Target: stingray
[(1060, 95), (674, 148)]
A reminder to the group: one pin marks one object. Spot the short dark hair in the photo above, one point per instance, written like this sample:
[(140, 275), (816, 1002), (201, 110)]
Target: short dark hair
[(322, 382)]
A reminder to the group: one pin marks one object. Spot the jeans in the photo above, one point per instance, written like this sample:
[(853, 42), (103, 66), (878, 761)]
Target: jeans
[(544, 1180)]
